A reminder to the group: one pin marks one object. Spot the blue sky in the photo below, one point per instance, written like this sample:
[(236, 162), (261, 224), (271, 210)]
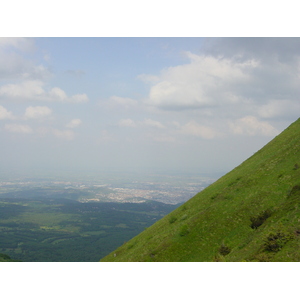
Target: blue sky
[(143, 104)]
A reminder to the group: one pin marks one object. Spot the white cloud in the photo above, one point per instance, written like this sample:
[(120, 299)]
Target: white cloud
[(25, 90), (36, 73), (205, 81), (116, 102), (217, 86), (19, 128), (79, 98), (34, 90), (148, 78), (195, 129), (19, 43), (250, 125), (123, 100), (175, 124), (279, 108), (5, 114), (37, 112), (152, 123), (74, 123), (164, 138), (64, 134), (57, 93), (147, 122), (267, 49), (13, 65), (126, 123)]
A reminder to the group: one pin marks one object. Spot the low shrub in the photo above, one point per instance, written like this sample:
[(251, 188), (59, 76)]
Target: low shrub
[(184, 217), (219, 258), (130, 246), (214, 196), (172, 219), (295, 190), (224, 250), (260, 219), (184, 230), (235, 181), (275, 241), (262, 257)]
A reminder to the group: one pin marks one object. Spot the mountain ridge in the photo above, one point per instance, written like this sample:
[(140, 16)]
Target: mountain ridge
[(249, 214)]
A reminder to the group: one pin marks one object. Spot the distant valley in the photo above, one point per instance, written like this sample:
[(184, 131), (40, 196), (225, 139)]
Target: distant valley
[(59, 220)]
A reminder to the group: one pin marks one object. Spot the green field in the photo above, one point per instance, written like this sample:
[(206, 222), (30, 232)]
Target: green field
[(53, 229), (250, 214)]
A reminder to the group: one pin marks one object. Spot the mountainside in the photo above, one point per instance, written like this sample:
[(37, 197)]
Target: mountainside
[(250, 214)]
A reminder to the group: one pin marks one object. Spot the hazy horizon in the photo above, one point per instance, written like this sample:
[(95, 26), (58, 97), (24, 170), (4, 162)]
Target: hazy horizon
[(156, 105)]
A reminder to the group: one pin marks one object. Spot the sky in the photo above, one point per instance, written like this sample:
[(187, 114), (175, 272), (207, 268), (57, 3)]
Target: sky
[(153, 105)]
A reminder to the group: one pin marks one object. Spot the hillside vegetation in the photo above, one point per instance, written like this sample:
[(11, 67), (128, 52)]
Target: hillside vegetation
[(7, 258), (250, 214), (53, 229)]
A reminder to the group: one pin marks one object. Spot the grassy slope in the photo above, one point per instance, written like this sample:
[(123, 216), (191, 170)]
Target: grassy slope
[(218, 219)]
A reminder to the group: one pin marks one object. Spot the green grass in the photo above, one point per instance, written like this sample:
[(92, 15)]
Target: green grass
[(264, 189)]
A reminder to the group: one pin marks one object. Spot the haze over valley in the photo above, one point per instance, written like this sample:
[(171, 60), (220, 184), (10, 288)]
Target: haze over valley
[(137, 188)]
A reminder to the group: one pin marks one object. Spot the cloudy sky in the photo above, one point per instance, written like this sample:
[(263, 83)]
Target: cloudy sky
[(143, 104)]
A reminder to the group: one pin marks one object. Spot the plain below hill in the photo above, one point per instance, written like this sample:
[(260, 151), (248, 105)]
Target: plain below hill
[(7, 258), (250, 214)]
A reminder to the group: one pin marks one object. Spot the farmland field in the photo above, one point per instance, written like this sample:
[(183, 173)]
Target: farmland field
[(67, 230)]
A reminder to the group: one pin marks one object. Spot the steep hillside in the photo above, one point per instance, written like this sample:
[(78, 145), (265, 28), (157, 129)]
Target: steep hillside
[(250, 214)]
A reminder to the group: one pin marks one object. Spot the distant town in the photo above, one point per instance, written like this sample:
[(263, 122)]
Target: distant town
[(165, 189)]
